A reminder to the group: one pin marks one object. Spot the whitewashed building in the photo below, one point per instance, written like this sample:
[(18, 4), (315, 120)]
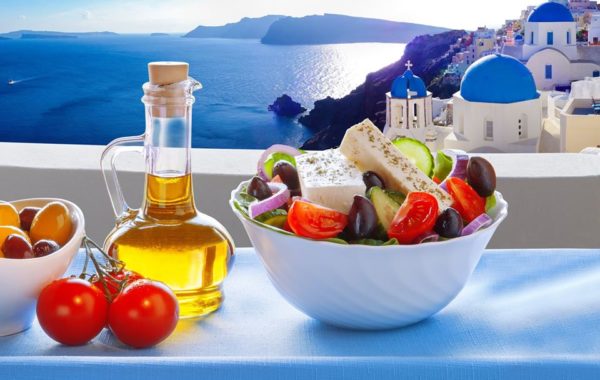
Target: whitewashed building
[(498, 108), (573, 122), (409, 109), (594, 29), (550, 48)]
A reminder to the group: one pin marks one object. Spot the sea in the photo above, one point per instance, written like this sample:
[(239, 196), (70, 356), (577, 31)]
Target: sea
[(87, 90)]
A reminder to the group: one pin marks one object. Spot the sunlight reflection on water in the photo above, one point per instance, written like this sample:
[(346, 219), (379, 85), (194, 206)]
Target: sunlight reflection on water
[(338, 69)]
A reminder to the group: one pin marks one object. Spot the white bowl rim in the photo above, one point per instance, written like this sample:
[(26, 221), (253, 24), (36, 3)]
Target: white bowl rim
[(500, 209), (79, 229)]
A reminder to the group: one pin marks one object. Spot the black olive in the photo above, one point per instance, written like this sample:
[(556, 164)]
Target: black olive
[(481, 176), (362, 219), (288, 174), (449, 224), (371, 179), (259, 189)]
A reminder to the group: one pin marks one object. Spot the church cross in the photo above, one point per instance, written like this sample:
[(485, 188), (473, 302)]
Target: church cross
[(409, 65)]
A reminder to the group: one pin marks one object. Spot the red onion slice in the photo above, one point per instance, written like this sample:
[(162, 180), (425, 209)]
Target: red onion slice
[(482, 221), (428, 237), (277, 148), (460, 160), (280, 196)]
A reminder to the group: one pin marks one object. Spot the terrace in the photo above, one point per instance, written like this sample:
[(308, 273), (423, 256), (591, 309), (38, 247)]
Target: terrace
[(554, 198)]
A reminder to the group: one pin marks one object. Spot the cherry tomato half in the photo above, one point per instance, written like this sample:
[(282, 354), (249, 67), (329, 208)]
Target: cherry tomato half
[(416, 216), (314, 221), (144, 314), (466, 200), (72, 311)]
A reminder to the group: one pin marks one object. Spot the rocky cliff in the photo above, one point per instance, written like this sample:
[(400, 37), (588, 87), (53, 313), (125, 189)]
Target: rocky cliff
[(330, 118), (245, 28), (335, 29)]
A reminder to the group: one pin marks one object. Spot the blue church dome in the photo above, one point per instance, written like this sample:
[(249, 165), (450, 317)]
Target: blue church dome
[(408, 82), (551, 12), (498, 79)]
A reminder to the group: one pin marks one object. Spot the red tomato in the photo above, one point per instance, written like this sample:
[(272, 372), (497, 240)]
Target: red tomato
[(144, 314), (416, 216), (72, 311), (117, 281), (466, 200), (436, 180), (314, 221)]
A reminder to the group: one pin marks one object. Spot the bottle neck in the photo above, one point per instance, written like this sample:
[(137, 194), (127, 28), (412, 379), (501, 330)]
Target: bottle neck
[(169, 190)]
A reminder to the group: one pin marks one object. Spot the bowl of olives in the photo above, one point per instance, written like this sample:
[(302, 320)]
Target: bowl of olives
[(38, 240)]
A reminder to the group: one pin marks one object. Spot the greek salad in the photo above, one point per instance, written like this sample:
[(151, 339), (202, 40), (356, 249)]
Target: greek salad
[(370, 191)]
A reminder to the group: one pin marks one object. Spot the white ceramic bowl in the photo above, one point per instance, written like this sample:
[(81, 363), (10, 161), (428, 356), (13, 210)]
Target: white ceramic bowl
[(365, 287), (22, 280)]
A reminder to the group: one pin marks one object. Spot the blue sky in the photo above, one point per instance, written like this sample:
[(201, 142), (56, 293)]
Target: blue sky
[(137, 16)]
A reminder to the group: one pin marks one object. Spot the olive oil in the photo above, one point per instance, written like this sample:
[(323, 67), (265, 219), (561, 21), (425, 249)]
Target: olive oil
[(168, 239), (171, 242)]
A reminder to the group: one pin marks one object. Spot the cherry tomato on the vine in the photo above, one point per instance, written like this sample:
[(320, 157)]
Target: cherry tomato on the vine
[(116, 281), (144, 314), (72, 311)]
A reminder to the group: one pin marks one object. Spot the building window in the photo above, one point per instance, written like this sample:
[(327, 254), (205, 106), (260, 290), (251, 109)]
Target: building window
[(596, 74), (531, 42), (550, 38), (568, 38), (548, 71), (415, 117), (523, 127), (489, 130)]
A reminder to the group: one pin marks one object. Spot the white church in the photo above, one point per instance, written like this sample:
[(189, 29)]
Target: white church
[(409, 109), (550, 48), (498, 108)]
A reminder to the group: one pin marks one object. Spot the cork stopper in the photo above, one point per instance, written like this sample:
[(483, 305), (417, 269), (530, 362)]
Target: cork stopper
[(164, 73)]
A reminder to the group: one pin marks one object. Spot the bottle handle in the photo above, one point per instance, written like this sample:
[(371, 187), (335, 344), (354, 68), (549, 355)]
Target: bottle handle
[(109, 170)]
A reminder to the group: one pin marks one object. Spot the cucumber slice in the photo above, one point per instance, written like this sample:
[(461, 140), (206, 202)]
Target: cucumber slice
[(275, 158), (385, 207), (417, 152), (396, 195), (443, 166), (275, 218)]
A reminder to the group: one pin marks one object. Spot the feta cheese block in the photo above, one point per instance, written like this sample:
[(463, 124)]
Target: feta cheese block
[(329, 179), (370, 150)]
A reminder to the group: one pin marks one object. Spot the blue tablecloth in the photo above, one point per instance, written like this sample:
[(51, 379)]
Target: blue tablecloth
[(523, 315)]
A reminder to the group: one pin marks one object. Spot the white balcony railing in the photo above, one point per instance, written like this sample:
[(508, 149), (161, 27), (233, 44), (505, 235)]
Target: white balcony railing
[(554, 199)]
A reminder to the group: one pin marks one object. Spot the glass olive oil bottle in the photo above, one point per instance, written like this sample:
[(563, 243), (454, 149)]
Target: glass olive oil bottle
[(168, 239)]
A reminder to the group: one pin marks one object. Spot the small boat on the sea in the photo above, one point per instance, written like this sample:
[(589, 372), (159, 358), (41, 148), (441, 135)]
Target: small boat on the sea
[(11, 82)]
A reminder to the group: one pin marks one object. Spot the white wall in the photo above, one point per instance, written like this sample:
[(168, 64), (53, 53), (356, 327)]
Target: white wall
[(563, 71), (554, 200), (540, 32), (505, 118), (401, 113), (578, 131), (594, 28)]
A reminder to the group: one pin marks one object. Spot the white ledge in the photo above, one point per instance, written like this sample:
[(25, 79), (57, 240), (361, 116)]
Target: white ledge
[(554, 199)]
